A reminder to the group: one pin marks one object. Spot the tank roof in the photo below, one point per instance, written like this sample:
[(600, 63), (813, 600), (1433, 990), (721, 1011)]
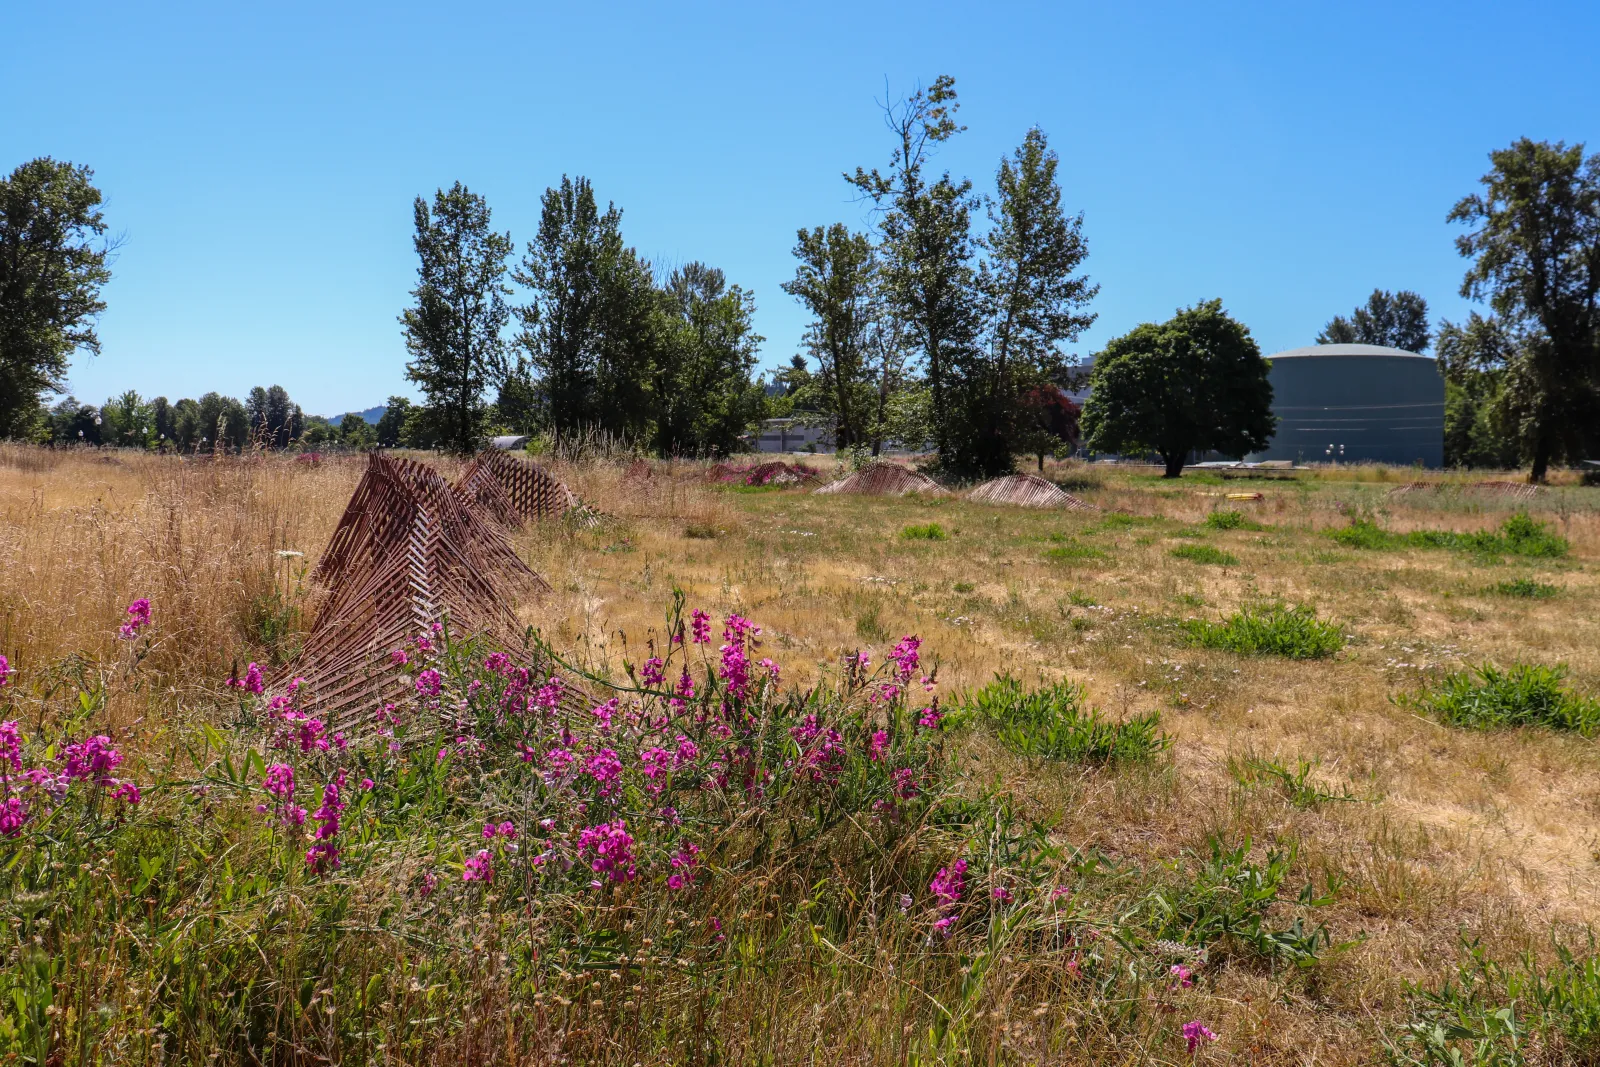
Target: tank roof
[(1345, 350)]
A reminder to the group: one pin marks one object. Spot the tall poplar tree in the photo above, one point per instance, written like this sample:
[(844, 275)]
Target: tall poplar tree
[(836, 280), (454, 330)]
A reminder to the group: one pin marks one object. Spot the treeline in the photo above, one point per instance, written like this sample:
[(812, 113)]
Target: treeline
[(266, 418)]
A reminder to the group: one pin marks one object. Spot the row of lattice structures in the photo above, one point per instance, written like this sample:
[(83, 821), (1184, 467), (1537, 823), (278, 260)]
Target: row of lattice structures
[(412, 550)]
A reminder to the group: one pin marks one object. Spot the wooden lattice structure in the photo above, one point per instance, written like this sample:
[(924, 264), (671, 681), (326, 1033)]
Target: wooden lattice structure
[(408, 552), (885, 479), (514, 492), (1027, 491)]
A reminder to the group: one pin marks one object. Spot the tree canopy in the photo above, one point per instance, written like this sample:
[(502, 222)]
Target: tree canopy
[(53, 262), (1394, 320), (1196, 382)]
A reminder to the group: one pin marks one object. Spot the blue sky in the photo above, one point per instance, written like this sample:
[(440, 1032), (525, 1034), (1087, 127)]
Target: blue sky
[(261, 160)]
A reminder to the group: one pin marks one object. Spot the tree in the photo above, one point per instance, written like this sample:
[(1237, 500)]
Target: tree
[(223, 423), (453, 331), (1536, 259), (705, 398), (164, 422), (1473, 359), (1196, 382), (74, 423), (357, 433), (391, 424), (275, 420), (128, 422), (186, 424), (835, 281), (585, 330), (53, 263), (1032, 301), (925, 230), (1396, 320)]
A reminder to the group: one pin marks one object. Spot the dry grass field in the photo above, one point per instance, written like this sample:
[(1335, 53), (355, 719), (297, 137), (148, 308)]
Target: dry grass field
[(1417, 838)]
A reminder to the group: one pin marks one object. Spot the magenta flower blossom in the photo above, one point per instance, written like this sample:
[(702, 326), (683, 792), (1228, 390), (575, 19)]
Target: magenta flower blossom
[(653, 672), (507, 830), (253, 680), (13, 814), (366, 785), (10, 746), (94, 758), (399, 657), (429, 682), (610, 848), (549, 695), (479, 868), (497, 662), (423, 644), (687, 752), (280, 781), (430, 882), (905, 783), (605, 768), (1184, 976), (1001, 894), (128, 792), (138, 619), (683, 863), (604, 712), (6, 671), (324, 854), (948, 884), (1195, 1032), (905, 656), (878, 745), (701, 624), (929, 718)]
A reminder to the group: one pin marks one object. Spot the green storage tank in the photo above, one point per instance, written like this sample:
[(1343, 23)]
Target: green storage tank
[(1356, 404)]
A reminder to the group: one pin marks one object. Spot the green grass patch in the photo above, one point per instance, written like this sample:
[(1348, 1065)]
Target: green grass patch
[(1526, 588), (1053, 723), (1230, 520), (1520, 535), (1527, 694), (700, 531), (963, 587), (927, 531), (1070, 550), (1274, 629), (1295, 785), (1205, 554)]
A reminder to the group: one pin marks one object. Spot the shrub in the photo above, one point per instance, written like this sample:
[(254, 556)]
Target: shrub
[(1230, 520), (1519, 535), (1278, 630), (1486, 698), (931, 531), (1052, 723), (1296, 785), (1523, 587), (1205, 554), (700, 531)]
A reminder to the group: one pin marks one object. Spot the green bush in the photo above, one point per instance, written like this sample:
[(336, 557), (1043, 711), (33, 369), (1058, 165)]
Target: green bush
[(1053, 723), (930, 531), (1230, 520), (1278, 630), (1519, 535), (1523, 587), (1528, 694), (1205, 554)]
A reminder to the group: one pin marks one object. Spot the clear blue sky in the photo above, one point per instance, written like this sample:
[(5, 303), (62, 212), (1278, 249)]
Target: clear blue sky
[(261, 160)]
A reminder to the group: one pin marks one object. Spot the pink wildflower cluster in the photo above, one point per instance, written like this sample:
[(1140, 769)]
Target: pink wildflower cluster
[(1195, 1032), (429, 682), (653, 672), (252, 682), (280, 784), (946, 888), (5, 671), (1184, 976), (700, 626), (324, 854), (92, 759), (479, 868), (609, 848), (683, 864), (506, 830), (138, 619)]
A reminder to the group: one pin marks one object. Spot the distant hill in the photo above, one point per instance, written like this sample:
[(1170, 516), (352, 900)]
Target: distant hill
[(371, 415)]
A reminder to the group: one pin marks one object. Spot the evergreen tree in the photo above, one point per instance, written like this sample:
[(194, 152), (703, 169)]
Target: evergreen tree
[(1536, 258), (1394, 320), (453, 331), (53, 263)]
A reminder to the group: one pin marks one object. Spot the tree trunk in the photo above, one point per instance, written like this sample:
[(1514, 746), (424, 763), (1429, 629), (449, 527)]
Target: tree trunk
[(1174, 463), (1041, 462), (1541, 462)]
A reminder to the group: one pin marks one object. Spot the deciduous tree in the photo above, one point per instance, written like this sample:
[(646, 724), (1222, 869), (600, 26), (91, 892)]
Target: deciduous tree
[(1196, 382), (1395, 320)]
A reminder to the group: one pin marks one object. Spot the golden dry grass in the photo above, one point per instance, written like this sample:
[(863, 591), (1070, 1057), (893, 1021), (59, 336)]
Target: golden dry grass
[(1493, 834)]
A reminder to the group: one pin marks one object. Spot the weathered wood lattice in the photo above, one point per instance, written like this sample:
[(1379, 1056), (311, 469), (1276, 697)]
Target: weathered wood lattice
[(1028, 491), (514, 492), (408, 552)]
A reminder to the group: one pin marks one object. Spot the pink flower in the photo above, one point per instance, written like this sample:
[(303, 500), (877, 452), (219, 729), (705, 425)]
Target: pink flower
[(94, 758), (1001, 895), (280, 781), (366, 785), (127, 791), (948, 884), (701, 624), (497, 662), (1184, 976), (399, 657), (507, 830), (687, 751), (6, 671), (138, 618), (905, 657), (878, 745), (683, 863), (429, 682), (905, 783), (430, 882), (252, 682), (605, 768), (604, 712), (611, 848), (423, 644), (929, 718), (653, 672), (324, 854), (13, 814), (1195, 1032), (10, 746), (479, 868)]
